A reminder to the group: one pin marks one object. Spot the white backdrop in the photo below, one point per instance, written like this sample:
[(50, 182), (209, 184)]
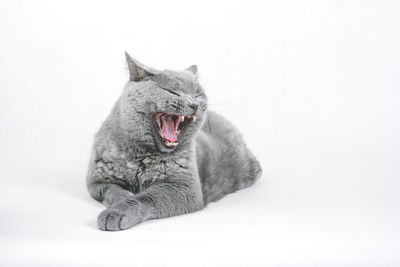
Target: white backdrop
[(313, 86)]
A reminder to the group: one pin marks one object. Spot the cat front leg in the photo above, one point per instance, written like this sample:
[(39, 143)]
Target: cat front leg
[(108, 193), (162, 199), (121, 215)]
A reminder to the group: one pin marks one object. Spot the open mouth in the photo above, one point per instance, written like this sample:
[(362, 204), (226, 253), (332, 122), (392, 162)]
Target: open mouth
[(169, 126)]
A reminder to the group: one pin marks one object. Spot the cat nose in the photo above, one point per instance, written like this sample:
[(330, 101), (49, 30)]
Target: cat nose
[(194, 107)]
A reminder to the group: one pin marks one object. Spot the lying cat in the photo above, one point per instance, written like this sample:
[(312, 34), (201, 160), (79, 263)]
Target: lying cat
[(160, 153)]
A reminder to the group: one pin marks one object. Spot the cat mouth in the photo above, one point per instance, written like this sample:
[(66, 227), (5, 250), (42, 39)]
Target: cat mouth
[(169, 126)]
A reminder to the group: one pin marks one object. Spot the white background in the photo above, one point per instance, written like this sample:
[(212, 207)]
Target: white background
[(313, 86)]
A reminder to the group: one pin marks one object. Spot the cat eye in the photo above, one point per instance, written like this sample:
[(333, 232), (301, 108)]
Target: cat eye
[(170, 91)]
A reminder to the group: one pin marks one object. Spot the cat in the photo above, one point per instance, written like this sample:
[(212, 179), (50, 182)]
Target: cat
[(161, 153)]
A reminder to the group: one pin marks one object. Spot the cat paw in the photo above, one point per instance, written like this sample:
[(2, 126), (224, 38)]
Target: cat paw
[(116, 220)]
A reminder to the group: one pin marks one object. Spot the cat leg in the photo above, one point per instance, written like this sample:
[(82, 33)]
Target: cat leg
[(228, 175), (163, 199), (108, 193)]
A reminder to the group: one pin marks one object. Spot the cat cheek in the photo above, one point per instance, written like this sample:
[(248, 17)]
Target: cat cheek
[(153, 107)]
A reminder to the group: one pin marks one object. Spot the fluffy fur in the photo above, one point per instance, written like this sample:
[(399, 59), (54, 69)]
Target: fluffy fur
[(138, 178)]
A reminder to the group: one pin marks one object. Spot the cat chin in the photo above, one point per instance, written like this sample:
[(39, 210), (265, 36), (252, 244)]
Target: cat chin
[(166, 149), (163, 147)]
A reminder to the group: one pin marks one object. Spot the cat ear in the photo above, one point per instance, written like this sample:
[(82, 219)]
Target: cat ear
[(193, 70), (137, 70)]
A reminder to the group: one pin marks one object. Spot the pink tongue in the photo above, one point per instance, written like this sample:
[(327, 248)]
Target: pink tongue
[(168, 129)]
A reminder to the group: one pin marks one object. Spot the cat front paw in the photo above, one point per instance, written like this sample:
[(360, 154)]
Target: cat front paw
[(116, 220)]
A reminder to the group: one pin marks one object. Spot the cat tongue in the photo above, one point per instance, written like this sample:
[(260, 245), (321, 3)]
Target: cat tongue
[(168, 128)]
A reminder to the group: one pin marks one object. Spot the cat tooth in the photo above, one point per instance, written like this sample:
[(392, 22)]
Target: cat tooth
[(171, 144), (194, 118), (182, 118)]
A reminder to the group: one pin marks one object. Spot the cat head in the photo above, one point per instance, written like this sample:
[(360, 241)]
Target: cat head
[(161, 110)]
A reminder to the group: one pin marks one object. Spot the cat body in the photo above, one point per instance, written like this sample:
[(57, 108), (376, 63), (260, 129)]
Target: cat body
[(161, 153)]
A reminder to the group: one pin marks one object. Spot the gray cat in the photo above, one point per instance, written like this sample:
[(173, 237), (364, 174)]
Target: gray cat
[(160, 153)]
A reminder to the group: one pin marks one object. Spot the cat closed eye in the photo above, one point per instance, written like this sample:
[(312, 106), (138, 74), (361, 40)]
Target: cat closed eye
[(170, 91)]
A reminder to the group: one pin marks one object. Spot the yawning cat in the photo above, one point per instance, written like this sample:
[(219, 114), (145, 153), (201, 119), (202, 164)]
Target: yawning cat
[(160, 153)]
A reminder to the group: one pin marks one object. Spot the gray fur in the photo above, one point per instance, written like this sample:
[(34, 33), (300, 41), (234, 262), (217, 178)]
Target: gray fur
[(138, 178)]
